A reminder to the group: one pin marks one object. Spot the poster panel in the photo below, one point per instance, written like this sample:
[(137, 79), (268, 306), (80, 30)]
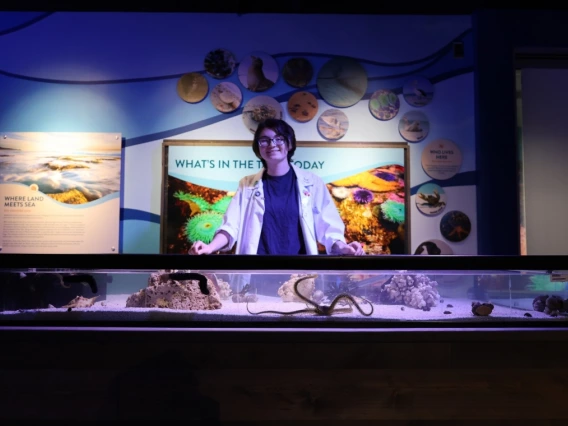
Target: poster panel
[(60, 192), (367, 182)]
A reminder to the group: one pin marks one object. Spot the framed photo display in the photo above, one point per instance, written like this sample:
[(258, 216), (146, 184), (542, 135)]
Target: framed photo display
[(368, 183), (60, 192)]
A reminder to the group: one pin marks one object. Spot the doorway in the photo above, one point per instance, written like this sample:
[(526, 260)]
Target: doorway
[(542, 137)]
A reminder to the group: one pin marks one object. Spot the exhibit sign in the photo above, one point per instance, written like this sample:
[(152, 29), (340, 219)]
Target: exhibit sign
[(367, 182), (60, 192)]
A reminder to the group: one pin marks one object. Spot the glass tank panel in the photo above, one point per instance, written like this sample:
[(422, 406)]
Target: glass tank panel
[(268, 291)]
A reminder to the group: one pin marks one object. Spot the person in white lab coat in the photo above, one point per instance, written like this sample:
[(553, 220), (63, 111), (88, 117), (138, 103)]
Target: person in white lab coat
[(282, 209)]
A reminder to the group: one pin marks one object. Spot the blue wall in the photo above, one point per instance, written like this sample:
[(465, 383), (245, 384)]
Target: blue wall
[(117, 72)]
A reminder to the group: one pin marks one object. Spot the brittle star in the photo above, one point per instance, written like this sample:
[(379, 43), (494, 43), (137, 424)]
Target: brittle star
[(320, 309)]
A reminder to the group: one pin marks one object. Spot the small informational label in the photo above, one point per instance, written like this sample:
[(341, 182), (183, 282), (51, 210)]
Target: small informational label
[(559, 276), (441, 159)]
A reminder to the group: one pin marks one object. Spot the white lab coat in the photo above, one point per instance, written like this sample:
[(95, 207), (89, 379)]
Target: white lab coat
[(320, 219)]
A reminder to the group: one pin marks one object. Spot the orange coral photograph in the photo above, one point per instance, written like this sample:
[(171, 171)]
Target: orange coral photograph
[(372, 205)]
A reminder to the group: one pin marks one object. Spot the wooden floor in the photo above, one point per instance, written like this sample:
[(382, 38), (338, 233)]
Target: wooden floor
[(229, 377)]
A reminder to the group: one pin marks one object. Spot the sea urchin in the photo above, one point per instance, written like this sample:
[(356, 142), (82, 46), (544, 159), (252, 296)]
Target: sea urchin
[(363, 196)]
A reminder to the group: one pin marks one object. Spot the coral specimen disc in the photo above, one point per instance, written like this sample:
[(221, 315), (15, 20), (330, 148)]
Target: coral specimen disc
[(202, 226), (384, 104)]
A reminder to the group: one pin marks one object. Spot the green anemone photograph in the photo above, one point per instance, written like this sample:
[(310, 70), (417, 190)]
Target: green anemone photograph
[(202, 226)]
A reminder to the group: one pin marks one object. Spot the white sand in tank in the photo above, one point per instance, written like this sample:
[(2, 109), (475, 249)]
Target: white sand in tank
[(113, 309)]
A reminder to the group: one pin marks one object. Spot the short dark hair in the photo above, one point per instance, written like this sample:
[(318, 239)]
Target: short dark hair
[(280, 127)]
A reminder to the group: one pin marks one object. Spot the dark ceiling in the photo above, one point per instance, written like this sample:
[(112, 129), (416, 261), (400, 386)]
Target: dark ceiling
[(407, 7)]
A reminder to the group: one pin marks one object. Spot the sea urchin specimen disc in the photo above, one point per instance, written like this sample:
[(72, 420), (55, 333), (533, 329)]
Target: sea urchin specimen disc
[(202, 226)]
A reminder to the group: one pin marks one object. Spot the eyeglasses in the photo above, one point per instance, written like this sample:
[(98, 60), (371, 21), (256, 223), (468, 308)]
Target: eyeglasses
[(264, 141)]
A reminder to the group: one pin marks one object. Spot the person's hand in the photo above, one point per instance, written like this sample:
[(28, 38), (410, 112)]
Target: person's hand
[(357, 248), (199, 247), (354, 248)]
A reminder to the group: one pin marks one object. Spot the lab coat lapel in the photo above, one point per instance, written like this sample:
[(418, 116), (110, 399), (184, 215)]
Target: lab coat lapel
[(255, 194), (305, 186)]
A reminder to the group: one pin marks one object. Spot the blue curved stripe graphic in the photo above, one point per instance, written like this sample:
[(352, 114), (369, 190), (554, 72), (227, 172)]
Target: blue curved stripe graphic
[(440, 52), (430, 59), (26, 24), (93, 82), (134, 214)]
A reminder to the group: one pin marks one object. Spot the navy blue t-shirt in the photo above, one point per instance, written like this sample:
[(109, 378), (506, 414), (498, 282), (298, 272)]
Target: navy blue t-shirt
[(281, 232)]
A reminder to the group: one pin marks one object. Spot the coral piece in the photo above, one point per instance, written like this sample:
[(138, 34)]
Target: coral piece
[(554, 305), (416, 291), (550, 305), (305, 287), (481, 309), (318, 296), (243, 297), (81, 302), (225, 290), (177, 290), (539, 303)]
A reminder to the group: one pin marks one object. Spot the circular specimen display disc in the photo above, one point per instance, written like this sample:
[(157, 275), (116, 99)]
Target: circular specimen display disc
[(226, 97), (333, 124), (303, 106), (342, 82), (259, 109), (192, 87)]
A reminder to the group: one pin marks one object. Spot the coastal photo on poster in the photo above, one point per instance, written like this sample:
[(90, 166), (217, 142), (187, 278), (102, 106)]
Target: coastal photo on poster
[(367, 182), (60, 192)]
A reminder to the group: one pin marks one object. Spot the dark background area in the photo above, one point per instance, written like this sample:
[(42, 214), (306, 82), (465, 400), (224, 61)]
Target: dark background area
[(490, 377), (413, 7)]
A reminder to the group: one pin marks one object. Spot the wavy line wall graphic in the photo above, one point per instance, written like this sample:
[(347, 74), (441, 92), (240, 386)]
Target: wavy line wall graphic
[(118, 73)]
